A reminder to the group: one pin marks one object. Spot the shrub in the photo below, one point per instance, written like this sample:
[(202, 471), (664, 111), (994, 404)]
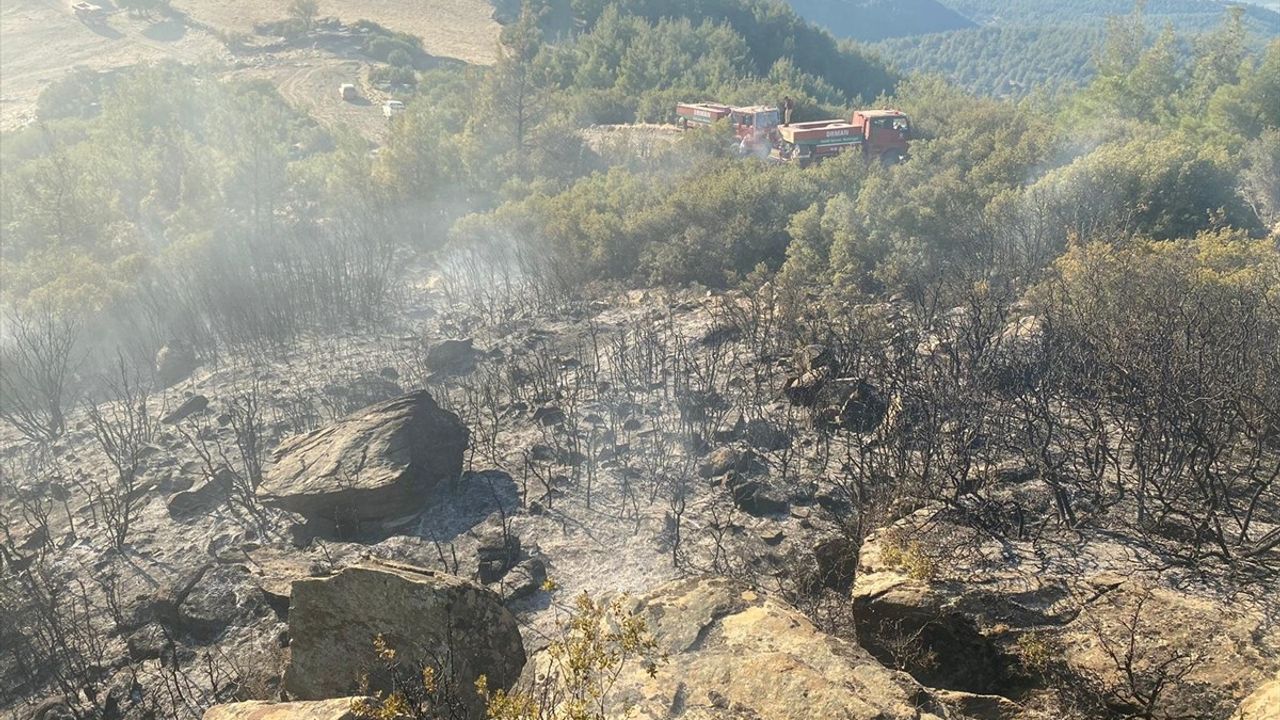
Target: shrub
[(910, 557), (597, 641), (399, 58)]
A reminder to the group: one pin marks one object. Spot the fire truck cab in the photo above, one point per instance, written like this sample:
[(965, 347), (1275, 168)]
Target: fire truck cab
[(886, 133), (756, 127)]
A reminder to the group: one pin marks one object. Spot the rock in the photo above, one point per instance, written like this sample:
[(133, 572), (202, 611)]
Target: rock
[(836, 562), (733, 654), (53, 709), (771, 536), (424, 615), (755, 498), (863, 408), (201, 499), (813, 357), (525, 579), (969, 610), (1262, 704), (174, 363), (804, 389), (189, 407), (496, 554), (982, 707), (549, 415), (379, 463), (220, 598), (365, 389), (337, 709), (725, 460), (452, 357), (764, 435)]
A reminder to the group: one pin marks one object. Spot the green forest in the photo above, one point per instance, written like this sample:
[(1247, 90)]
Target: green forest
[(1022, 47)]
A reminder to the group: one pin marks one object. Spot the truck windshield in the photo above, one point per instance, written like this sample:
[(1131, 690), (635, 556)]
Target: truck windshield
[(896, 123), (767, 119)]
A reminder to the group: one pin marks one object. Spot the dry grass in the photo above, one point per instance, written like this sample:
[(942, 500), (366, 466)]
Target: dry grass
[(461, 29), (40, 41)]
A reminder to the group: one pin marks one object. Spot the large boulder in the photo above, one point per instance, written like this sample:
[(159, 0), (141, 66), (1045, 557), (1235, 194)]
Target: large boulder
[(336, 709), (427, 617), (733, 654), (379, 463), (964, 611)]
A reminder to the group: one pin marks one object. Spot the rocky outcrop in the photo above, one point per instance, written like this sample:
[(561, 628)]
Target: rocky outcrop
[(964, 611), (379, 463), (733, 654), (1262, 704), (848, 403), (336, 709), (426, 617)]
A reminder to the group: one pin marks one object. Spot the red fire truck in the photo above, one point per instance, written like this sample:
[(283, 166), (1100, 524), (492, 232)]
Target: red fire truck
[(755, 127), (881, 134)]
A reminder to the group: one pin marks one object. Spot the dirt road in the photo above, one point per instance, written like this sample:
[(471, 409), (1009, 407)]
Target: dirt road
[(42, 40), (309, 79)]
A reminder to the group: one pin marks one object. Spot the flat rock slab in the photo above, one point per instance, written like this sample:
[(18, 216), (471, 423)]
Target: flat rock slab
[(427, 617), (732, 653), (337, 709), (377, 463)]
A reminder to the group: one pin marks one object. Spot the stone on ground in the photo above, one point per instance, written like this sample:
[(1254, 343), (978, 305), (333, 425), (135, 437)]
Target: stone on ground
[(425, 616), (380, 463), (732, 654), (1262, 704), (967, 601), (336, 709)]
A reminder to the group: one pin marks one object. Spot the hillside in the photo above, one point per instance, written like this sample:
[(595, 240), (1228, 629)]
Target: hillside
[(1023, 45), (1001, 60), (459, 29), (523, 399), (1184, 15), (871, 20)]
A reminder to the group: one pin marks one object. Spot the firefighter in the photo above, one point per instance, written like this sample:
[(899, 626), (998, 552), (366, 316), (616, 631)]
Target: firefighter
[(787, 107)]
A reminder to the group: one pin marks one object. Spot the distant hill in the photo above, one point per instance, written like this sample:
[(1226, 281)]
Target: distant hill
[(1002, 61), (871, 20), (1184, 15), (1019, 45)]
